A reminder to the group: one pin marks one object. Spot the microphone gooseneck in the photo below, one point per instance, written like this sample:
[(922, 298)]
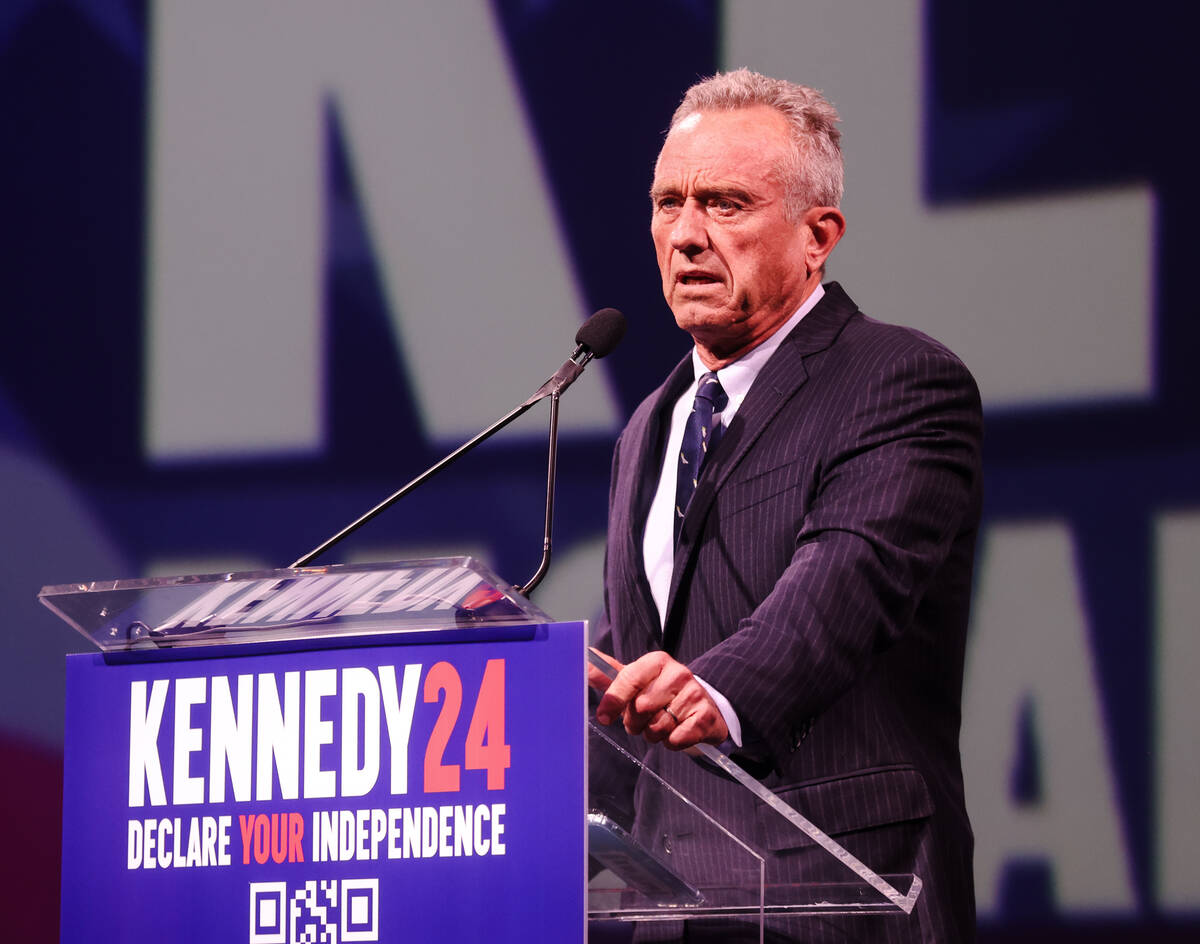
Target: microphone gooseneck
[(596, 337)]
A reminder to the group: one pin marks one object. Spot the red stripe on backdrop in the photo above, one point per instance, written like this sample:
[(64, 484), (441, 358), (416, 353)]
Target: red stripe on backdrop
[(31, 805)]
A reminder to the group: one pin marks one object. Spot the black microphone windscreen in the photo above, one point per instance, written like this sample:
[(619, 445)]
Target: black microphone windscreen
[(602, 332)]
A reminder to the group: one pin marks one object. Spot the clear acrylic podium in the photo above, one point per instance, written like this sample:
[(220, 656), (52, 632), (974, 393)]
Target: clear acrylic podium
[(634, 884), (457, 601)]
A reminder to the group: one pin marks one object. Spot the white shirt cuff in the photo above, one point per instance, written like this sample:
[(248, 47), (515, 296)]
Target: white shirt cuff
[(727, 712)]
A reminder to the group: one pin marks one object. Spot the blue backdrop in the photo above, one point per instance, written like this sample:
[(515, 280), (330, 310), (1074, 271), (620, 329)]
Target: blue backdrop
[(263, 263)]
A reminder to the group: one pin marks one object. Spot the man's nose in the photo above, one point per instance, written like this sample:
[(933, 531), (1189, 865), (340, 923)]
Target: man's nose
[(689, 235)]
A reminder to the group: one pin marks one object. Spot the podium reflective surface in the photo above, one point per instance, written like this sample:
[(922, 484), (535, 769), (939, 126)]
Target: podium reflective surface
[(338, 600)]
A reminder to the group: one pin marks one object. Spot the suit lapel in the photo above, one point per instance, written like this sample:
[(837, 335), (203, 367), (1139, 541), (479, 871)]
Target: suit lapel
[(780, 378), (646, 441)]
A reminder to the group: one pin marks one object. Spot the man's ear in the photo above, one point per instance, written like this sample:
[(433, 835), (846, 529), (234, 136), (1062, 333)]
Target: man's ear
[(826, 224)]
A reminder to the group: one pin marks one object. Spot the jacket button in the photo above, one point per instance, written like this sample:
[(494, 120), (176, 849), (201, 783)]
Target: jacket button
[(666, 844)]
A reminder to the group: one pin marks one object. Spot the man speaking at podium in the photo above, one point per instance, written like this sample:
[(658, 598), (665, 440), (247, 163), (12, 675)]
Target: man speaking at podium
[(792, 528)]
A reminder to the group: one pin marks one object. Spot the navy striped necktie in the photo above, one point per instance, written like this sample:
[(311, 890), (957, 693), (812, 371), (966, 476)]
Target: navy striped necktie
[(698, 436)]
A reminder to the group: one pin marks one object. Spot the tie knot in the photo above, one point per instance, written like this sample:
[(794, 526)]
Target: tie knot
[(710, 389)]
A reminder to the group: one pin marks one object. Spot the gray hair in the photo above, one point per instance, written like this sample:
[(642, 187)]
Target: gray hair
[(813, 174)]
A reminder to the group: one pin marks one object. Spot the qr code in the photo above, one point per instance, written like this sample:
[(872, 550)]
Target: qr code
[(315, 912)]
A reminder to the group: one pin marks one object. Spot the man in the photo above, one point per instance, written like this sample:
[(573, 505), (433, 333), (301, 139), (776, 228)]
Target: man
[(802, 600)]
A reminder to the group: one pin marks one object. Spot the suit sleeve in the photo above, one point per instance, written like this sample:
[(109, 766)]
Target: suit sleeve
[(899, 484)]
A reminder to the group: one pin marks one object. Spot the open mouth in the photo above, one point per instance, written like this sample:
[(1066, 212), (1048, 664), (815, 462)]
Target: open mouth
[(697, 280)]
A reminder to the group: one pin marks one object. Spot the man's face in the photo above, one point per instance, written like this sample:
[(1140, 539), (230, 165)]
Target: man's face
[(733, 267)]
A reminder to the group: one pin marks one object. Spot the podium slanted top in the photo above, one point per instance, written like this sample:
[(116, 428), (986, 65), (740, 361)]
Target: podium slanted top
[(447, 593)]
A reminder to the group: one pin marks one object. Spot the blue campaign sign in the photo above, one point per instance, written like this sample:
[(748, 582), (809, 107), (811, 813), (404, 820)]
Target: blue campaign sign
[(385, 793)]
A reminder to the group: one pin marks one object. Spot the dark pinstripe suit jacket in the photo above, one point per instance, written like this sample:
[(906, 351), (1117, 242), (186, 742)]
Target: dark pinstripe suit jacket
[(821, 583)]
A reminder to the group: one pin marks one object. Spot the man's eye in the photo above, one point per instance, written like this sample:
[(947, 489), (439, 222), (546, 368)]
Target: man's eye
[(723, 205), (666, 203)]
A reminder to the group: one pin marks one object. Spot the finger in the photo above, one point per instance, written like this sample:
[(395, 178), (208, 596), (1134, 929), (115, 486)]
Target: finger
[(654, 727), (699, 719), (676, 694), (629, 683), (659, 729), (646, 710), (664, 689), (704, 724), (684, 736), (652, 723)]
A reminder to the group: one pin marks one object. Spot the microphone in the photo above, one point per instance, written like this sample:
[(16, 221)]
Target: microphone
[(596, 337), (601, 333)]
